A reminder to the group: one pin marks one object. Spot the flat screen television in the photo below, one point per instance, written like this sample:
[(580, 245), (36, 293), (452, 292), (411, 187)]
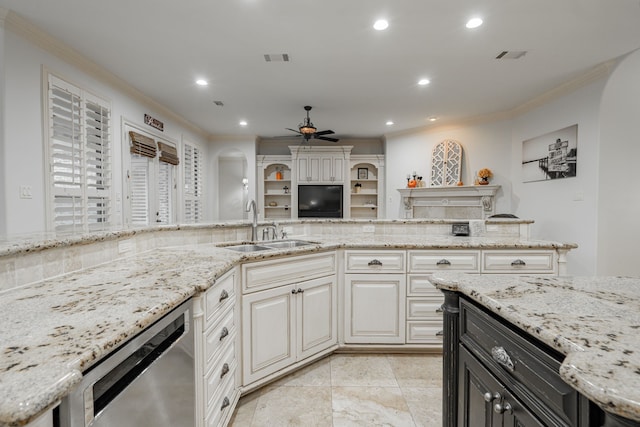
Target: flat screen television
[(319, 201)]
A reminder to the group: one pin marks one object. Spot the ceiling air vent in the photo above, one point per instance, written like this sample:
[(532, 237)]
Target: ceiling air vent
[(511, 54), (276, 57), (218, 103)]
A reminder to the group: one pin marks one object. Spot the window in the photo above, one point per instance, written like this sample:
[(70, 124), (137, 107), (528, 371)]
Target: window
[(151, 179), (78, 148), (193, 181)]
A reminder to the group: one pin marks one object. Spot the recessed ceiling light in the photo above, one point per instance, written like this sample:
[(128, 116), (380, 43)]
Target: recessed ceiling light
[(389, 123), (243, 123), (424, 82), (202, 82), (381, 24), (474, 23), (432, 118)]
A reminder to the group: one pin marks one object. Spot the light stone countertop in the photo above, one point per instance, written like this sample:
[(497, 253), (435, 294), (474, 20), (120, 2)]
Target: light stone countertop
[(594, 321), (53, 330)]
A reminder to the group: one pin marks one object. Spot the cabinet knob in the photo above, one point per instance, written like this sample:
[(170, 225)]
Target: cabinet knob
[(225, 370), (294, 291), (224, 333), (225, 403), (501, 356), (490, 397), (375, 262), (300, 291), (224, 295), (518, 263), (501, 408), (443, 261)]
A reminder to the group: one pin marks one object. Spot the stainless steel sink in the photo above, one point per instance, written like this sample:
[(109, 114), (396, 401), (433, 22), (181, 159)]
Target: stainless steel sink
[(283, 244), (247, 248)]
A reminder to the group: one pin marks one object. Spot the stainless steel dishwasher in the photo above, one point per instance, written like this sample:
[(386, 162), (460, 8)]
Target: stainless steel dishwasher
[(150, 381)]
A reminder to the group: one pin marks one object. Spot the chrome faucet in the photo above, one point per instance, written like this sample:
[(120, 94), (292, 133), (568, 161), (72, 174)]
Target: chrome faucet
[(270, 232), (251, 204)]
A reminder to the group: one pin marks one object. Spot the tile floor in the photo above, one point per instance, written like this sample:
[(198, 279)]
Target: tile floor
[(346, 390)]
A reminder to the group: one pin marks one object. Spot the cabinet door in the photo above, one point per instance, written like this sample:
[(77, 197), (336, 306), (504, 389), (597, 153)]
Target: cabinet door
[(338, 169), (326, 169), (317, 317), (375, 308), (474, 381), (267, 336)]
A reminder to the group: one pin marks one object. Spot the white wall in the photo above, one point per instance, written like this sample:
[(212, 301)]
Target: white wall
[(618, 222), (484, 146), (565, 209), (232, 197), (3, 107), (23, 133)]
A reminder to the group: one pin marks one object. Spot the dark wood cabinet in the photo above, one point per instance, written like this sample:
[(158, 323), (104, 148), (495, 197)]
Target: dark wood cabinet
[(496, 375)]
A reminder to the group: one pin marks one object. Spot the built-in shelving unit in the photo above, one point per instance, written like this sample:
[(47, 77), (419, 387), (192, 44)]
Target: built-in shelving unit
[(275, 187), (365, 185)]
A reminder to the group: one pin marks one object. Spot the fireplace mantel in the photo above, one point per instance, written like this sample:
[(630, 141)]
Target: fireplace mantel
[(463, 202)]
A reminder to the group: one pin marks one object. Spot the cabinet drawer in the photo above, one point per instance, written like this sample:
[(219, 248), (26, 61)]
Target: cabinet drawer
[(430, 261), (419, 285), (222, 403), (218, 337), (424, 332), (524, 365), (424, 309), (374, 261), (283, 271), (519, 262), (218, 297), (222, 370)]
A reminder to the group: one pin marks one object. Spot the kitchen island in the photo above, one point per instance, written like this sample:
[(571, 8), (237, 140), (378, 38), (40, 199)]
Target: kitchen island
[(506, 335), (70, 301)]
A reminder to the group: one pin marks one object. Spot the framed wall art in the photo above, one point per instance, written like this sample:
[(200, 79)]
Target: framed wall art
[(551, 156), (363, 173)]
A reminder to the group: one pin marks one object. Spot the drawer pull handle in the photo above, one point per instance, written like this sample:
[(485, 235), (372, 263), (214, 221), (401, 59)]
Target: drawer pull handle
[(225, 403), (225, 370), (224, 295), (375, 262), (224, 333), (518, 263), (501, 408), (439, 333), (501, 356), (439, 309), (443, 261), (489, 397)]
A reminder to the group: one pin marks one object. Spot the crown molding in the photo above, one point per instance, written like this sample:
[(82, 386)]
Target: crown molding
[(20, 26)]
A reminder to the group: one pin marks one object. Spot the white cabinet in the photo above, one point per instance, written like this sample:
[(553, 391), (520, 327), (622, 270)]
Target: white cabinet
[(375, 295), (217, 361), (321, 168), (520, 261), (286, 318)]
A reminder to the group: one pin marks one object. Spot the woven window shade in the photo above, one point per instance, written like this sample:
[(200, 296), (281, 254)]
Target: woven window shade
[(142, 145), (168, 153)]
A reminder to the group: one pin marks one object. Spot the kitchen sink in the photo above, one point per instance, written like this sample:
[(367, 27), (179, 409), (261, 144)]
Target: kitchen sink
[(247, 248), (282, 244)]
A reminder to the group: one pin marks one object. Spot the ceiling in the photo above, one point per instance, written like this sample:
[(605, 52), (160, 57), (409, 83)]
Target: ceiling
[(356, 78)]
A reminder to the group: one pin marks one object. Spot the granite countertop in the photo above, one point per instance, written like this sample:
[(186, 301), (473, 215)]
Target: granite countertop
[(594, 321), (53, 330)]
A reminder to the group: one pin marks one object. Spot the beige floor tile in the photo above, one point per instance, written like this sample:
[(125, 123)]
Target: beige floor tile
[(417, 370), (361, 370), (294, 406), (317, 374), (425, 405), (370, 406), (245, 410)]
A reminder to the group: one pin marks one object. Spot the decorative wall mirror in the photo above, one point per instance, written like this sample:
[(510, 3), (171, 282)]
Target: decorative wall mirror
[(446, 162)]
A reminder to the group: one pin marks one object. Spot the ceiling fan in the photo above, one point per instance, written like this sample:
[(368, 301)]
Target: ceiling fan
[(308, 131)]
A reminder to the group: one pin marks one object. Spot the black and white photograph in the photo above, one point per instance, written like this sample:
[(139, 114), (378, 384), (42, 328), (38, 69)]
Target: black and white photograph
[(550, 156), (363, 173)]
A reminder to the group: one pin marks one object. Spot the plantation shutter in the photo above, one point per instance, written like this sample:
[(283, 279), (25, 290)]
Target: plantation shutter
[(192, 184), (164, 182), (79, 157), (139, 189)]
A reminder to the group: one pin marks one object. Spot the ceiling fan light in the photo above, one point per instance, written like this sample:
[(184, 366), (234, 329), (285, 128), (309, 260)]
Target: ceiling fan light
[(307, 130)]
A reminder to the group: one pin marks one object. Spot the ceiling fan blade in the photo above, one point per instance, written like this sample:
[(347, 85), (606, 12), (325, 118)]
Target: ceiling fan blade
[(324, 138), (325, 132), (293, 130)]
